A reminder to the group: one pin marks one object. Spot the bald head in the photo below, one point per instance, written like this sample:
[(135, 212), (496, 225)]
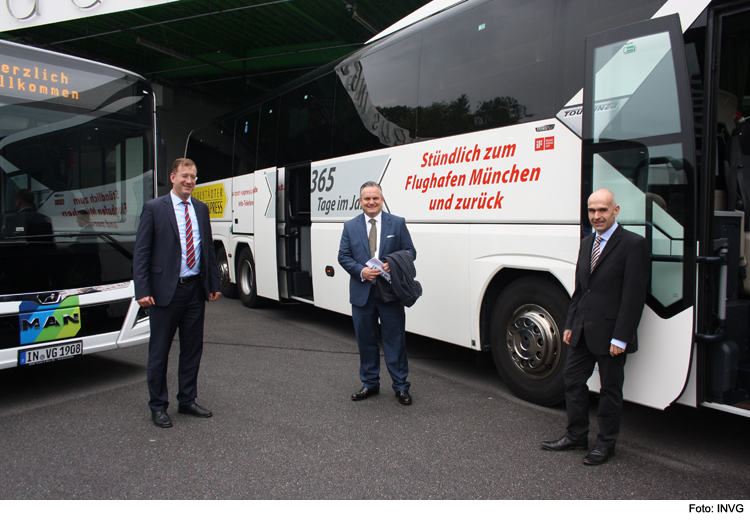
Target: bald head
[(604, 194), (603, 210)]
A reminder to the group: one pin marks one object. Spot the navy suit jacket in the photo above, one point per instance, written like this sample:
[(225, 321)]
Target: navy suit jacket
[(156, 260), (354, 251), (608, 302)]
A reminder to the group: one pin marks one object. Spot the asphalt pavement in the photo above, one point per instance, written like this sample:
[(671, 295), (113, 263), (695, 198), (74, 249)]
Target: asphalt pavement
[(279, 380)]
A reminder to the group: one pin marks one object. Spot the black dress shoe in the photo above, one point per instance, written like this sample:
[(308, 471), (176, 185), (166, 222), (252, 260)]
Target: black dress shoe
[(161, 419), (404, 398), (599, 455), (565, 443), (364, 393), (195, 410)]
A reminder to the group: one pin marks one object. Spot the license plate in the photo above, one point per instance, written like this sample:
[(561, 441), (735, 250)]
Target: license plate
[(34, 356)]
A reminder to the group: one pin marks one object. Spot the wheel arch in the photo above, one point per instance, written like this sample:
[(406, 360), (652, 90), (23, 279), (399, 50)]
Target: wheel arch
[(239, 246), (219, 245)]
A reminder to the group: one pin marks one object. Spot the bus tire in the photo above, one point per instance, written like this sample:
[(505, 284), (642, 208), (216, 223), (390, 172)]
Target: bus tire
[(526, 337), (228, 289), (246, 286)]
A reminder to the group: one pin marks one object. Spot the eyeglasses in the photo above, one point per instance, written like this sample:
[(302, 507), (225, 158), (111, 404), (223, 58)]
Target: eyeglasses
[(188, 177)]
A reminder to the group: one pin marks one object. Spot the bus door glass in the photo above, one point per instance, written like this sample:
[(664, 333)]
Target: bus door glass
[(638, 142)]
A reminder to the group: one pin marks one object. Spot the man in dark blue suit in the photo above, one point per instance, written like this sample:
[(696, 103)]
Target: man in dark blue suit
[(376, 234), (175, 273)]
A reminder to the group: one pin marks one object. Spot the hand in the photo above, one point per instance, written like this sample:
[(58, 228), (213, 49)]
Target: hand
[(370, 274), (386, 267), (214, 296), (567, 334), (614, 350), (145, 302)]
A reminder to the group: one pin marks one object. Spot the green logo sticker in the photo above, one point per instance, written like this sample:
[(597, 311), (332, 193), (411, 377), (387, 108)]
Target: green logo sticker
[(48, 323)]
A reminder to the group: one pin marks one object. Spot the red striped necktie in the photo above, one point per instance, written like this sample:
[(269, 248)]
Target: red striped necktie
[(595, 253), (189, 249)]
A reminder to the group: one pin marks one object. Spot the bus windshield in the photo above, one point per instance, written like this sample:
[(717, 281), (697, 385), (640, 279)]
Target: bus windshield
[(76, 166)]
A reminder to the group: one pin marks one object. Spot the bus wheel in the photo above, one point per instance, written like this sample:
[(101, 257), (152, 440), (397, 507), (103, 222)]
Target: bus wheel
[(228, 289), (526, 339), (246, 287)]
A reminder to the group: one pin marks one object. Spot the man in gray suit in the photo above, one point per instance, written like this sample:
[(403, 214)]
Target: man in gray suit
[(611, 282)]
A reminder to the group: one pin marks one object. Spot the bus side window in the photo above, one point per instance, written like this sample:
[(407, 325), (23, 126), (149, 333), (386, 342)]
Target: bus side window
[(305, 122), (210, 147), (268, 132), (246, 143), (509, 82), (376, 98)]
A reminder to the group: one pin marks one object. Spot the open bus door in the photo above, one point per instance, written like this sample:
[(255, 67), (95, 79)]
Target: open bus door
[(295, 230), (265, 226), (638, 141)]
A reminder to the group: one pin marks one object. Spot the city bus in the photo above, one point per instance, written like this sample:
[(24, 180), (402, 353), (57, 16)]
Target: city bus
[(488, 124), (77, 162)]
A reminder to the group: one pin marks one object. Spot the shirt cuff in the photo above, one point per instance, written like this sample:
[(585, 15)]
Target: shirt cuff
[(618, 343)]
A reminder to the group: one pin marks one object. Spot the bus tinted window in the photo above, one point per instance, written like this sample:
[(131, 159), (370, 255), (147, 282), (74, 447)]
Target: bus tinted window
[(210, 148), (382, 87), (305, 122), (269, 125), (350, 133), (487, 68), (246, 142)]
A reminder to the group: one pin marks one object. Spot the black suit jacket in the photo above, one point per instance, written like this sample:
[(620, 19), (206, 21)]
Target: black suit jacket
[(29, 222), (156, 260), (608, 303)]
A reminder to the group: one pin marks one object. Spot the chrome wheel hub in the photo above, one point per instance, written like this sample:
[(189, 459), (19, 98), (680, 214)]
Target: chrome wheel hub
[(533, 341), (246, 277)]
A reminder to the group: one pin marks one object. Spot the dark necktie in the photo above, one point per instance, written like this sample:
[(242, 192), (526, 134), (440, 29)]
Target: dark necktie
[(373, 238), (595, 253), (189, 249)]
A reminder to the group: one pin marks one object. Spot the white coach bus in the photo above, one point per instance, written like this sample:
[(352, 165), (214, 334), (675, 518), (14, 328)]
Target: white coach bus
[(488, 124), (77, 160)]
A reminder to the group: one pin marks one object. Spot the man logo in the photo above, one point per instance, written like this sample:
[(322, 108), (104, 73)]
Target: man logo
[(49, 298), (51, 321)]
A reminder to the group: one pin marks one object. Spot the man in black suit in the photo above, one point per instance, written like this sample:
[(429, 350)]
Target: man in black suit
[(32, 271), (27, 221), (611, 282), (175, 272), (376, 234)]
